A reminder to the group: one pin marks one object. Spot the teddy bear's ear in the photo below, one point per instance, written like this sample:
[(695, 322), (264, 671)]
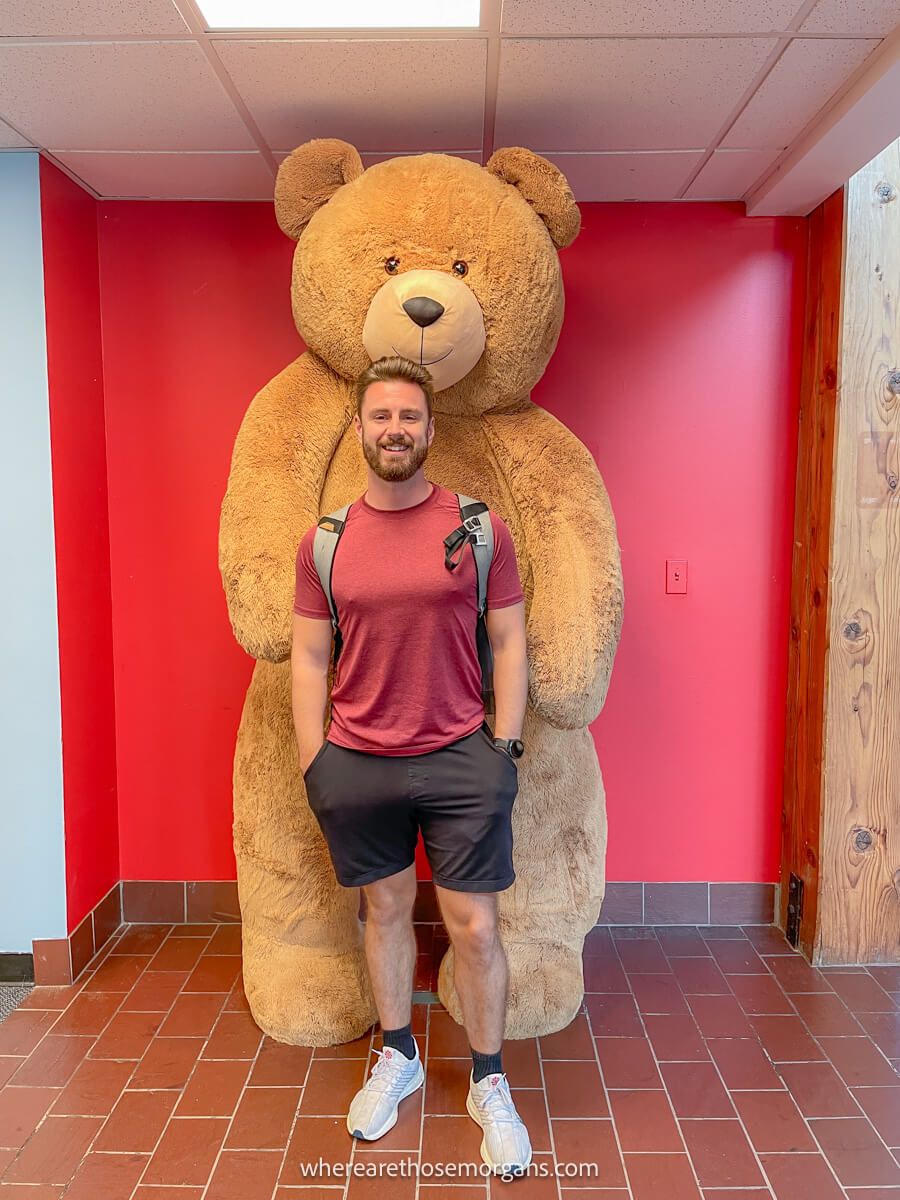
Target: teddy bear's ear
[(309, 177), (543, 186)]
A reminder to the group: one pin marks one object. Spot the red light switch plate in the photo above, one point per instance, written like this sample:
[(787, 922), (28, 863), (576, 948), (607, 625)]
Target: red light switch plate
[(676, 576)]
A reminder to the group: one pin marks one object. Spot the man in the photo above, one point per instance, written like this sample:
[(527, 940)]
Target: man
[(408, 746)]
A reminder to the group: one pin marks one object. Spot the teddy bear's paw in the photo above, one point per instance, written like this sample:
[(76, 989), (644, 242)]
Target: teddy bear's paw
[(546, 987), (304, 995)]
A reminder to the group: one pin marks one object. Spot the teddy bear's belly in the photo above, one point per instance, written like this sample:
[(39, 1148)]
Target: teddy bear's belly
[(460, 458)]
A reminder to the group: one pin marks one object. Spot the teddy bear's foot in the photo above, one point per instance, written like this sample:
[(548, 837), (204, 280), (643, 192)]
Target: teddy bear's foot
[(305, 995), (546, 987)]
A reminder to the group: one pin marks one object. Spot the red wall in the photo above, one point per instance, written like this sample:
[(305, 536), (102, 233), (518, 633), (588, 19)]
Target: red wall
[(196, 318), (683, 330), (80, 514), (678, 366)]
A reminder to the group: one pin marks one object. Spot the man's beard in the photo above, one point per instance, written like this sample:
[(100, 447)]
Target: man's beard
[(394, 468)]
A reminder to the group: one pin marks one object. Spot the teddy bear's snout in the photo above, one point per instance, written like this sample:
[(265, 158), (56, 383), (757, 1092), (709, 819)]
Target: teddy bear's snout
[(430, 317), (423, 310)]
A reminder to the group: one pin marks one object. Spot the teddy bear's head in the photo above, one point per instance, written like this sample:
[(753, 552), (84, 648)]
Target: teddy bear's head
[(431, 257)]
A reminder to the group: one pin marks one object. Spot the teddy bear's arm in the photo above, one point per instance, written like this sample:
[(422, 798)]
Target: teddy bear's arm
[(571, 546), (283, 448)]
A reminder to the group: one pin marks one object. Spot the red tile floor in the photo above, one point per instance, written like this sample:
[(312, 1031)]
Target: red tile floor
[(708, 1063)]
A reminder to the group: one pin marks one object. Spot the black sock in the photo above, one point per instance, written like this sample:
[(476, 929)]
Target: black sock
[(485, 1064), (400, 1039)]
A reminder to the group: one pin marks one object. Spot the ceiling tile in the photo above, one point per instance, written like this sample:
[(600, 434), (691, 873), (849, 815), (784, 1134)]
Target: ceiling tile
[(808, 73), (470, 156), (9, 139), (369, 160), (649, 176), (663, 18), (174, 176), (118, 96), (862, 18), (729, 174), (379, 95), (77, 18), (621, 94)]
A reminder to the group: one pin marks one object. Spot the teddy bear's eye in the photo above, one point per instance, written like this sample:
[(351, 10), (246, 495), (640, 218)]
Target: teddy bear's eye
[(460, 268), (392, 265)]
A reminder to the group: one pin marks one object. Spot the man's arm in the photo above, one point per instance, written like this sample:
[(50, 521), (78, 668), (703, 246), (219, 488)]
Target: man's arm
[(310, 659), (506, 630)]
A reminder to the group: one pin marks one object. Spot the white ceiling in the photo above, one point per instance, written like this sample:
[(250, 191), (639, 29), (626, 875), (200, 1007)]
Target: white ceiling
[(652, 100)]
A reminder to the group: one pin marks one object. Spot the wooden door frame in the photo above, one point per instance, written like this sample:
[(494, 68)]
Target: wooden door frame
[(808, 644), (841, 803)]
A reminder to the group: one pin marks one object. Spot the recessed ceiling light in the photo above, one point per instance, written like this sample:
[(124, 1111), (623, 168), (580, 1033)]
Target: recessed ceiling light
[(341, 14)]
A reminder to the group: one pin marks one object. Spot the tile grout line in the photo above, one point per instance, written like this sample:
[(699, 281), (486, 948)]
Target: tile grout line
[(729, 1092), (428, 1008), (424, 1067), (206, 939), (110, 942), (772, 975), (87, 975), (296, 1117), (606, 1091), (863, 1114), (656, 1062), (243, 1090), (354, 1141), (540, 1058), (180, 1091)]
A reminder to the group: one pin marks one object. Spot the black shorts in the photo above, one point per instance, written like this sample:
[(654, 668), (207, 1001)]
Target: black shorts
[(370, 808)]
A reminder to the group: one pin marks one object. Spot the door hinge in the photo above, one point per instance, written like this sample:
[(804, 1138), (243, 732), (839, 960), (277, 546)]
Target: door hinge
[(795, 909)]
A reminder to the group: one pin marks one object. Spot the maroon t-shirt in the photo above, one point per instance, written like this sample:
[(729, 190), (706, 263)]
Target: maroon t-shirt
[(408, 678)]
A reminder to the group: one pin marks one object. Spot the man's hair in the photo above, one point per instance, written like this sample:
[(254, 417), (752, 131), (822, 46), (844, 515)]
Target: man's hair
[(395, 368)]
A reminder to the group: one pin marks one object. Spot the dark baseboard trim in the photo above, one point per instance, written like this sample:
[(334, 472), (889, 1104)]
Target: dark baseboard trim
[(624, 903), (152, 901), (61, 960), (688, 904), (142, 902), (16, 968), (659, 904)]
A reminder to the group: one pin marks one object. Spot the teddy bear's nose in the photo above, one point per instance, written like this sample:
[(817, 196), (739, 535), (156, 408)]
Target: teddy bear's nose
[(423, 310)]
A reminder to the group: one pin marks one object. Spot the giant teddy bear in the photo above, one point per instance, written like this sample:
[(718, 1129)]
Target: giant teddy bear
[(482, 243)]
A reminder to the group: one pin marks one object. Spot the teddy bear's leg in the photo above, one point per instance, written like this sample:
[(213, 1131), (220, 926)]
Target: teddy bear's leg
[(559, 851), (304, 966)]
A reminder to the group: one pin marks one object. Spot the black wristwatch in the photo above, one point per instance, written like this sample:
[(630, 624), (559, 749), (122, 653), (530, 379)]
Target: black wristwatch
[(514, 747)]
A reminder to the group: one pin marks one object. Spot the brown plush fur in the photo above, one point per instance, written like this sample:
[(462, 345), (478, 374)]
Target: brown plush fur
[(297, 457)]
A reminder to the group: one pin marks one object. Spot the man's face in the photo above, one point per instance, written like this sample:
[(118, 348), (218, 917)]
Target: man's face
[(394, 429)]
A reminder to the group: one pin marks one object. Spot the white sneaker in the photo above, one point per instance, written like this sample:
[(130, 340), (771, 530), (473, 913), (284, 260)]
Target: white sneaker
[(506, 1147), (373, 1110)]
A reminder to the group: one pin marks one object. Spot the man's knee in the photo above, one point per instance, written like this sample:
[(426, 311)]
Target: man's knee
[(471, 921), (391, 900)]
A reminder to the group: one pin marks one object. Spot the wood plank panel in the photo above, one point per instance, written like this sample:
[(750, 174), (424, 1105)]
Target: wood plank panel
[(801, 813), (858, 916)]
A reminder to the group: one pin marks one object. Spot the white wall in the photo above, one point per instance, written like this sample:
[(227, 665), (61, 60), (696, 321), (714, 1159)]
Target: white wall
[(32, 848)]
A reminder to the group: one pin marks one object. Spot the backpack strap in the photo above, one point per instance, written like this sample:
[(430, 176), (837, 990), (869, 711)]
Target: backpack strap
[(477, 520), (477, 529), (327, 536)]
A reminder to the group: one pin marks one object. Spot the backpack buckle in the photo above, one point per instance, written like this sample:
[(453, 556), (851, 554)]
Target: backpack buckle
[(473, 525)]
